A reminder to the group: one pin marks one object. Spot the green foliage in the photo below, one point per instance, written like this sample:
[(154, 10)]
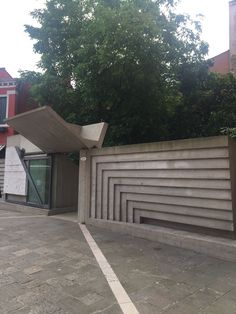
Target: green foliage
[(135, 64), (229, 131), (208, 104)]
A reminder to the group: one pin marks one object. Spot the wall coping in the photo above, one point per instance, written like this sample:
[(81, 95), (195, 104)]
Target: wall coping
[(193, 143)]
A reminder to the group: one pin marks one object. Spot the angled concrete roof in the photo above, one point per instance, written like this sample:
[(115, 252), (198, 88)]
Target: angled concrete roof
[(48, 131)]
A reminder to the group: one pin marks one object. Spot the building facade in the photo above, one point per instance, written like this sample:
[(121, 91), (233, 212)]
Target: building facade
[(226, 62), (8, 99), (38, 171)]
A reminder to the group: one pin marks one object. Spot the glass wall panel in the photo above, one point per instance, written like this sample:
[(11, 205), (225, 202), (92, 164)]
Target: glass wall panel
[(40, 170)]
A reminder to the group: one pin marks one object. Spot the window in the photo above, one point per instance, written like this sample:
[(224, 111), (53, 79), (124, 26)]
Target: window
[(3, 109), (40, 171)]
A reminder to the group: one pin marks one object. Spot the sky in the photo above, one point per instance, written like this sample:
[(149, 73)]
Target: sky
[(16, 51)]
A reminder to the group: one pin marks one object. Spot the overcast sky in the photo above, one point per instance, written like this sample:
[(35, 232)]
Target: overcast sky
[(17, 49)]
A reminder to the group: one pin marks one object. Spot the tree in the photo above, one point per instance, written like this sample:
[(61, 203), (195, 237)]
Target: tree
[(117, 61), (208, 104)]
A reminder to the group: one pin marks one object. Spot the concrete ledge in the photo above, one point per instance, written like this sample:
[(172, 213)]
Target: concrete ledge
[(64, 210), (22, 208), (221, 248), (192, 143), (15, 207)]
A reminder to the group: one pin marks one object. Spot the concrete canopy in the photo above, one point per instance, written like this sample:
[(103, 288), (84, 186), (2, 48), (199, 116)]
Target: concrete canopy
[(48, 131)]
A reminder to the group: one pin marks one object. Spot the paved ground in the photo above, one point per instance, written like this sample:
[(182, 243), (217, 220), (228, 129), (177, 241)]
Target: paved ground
[(46, 266)]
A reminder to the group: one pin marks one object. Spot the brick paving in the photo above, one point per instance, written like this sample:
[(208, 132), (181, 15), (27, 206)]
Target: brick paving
[(46, 266)]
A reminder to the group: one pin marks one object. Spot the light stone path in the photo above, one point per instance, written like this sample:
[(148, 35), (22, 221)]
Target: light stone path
[(46, 266), (124, 301)]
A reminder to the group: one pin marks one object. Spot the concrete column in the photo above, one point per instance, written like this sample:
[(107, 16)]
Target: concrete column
[(84, 186), (232, 35)]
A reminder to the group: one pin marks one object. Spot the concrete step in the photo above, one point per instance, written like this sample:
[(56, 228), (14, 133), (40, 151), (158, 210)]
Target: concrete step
[(22, 208)]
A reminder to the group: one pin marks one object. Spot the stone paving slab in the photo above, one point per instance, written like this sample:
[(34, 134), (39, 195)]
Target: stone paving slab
[(47, 267), (5, 213), (164, 279)]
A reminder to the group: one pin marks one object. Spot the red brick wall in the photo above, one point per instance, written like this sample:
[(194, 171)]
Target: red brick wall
[(18, 100), (8, 89), (221, 63), (24, 102)]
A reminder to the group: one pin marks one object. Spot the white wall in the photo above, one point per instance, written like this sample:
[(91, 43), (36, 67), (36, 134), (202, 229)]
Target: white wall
[(186, 181), (22, 142), (15, 178)]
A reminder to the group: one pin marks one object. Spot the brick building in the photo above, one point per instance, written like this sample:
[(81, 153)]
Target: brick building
[(226, 62), (13, 100), (8, 100)]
